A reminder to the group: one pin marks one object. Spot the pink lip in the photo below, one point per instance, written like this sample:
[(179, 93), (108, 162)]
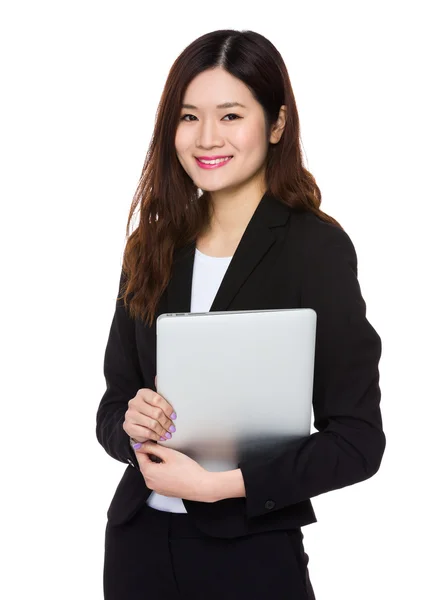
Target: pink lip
[(203, 166)]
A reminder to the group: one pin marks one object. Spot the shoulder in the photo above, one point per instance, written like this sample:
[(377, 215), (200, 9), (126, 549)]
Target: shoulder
[(320, 247), (316, 236)]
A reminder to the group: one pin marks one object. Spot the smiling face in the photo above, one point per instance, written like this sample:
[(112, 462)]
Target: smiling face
[(209, 131)]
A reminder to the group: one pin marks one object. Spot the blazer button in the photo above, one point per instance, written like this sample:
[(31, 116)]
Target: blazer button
[(270, 504)]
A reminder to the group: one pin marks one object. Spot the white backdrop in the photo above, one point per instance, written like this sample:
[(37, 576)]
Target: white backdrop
[(81, 83)]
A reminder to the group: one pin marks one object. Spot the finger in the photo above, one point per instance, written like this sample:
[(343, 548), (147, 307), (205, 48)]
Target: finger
[(156, 449), (157, 413), (142, 457), (141, 433), (156, 399), (154, 423), (151, 417)]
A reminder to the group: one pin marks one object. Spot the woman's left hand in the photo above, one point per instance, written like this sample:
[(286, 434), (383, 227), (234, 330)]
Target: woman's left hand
[(178, 475)]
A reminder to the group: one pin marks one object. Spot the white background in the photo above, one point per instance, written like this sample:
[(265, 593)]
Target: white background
[(80, 86)]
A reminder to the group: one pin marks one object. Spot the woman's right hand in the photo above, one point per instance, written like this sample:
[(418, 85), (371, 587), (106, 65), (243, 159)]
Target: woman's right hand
[(149, 417)]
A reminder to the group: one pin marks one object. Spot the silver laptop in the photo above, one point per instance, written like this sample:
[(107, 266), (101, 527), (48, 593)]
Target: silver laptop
[(241, 382)]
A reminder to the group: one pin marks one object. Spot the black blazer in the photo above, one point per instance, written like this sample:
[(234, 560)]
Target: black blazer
[(285, 259)]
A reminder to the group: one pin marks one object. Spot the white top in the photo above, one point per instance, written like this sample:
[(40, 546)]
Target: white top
[(208, 273)]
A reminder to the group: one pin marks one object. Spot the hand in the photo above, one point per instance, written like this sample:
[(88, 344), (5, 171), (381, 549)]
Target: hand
[(178, 475), (149, 416)]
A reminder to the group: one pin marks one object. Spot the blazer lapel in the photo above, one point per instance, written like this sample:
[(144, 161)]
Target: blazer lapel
[(254, 244)]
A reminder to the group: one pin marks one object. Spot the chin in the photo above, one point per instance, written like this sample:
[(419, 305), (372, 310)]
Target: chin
[(216, 188)]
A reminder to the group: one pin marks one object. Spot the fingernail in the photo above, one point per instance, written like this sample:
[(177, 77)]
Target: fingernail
[(168, 435), (174, 416), (163, 438), (136, 446), (172, 428)]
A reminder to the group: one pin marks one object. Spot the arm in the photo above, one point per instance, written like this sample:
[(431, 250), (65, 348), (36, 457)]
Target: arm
[(123, 379), (224, 484), (350, 442)]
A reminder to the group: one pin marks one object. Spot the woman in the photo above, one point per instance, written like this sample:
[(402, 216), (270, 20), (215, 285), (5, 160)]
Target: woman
[(230, 220)]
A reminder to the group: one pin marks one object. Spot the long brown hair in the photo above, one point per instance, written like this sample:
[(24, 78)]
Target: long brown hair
[(173, 211)]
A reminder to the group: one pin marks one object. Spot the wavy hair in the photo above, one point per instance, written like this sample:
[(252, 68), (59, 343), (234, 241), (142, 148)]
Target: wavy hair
[(173, 210)]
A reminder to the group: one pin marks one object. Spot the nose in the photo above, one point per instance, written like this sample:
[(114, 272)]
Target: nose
[(209, 135)]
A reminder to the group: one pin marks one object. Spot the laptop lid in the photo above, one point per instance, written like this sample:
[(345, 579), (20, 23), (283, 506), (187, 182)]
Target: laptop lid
[(241, 382)]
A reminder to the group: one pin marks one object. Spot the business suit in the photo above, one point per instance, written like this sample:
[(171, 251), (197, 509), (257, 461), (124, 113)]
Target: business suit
[(285, 259)]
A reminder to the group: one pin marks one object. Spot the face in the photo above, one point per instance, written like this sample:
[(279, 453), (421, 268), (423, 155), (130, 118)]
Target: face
[(232, 131)]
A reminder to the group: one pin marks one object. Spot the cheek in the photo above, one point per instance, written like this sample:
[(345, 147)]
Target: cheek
[(250, 140), (181, 141)]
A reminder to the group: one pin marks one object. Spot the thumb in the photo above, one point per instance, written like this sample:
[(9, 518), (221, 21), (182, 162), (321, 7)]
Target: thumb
[(151, 447)]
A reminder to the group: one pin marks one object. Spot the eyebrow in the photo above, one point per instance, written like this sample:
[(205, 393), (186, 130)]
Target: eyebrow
[(224, 105)]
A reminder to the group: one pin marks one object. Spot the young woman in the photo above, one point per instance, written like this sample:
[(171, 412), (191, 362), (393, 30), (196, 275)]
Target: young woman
[(230, 220)]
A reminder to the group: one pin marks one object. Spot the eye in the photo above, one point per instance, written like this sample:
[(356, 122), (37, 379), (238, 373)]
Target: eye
[(229, 115)]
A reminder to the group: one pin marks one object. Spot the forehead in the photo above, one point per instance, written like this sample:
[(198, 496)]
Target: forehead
[(216, 88)]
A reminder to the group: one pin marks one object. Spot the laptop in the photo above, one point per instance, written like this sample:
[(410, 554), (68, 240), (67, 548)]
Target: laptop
[(241, 382)]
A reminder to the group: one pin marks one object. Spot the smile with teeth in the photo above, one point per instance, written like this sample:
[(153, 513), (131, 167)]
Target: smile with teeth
[(214, 162)]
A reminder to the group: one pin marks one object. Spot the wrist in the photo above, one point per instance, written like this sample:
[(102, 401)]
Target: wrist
[(226, 484)]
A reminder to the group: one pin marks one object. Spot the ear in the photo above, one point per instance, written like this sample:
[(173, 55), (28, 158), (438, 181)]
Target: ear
[(278, 127)]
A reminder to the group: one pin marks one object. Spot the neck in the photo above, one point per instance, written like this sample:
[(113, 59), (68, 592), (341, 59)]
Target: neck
[(231, 213)]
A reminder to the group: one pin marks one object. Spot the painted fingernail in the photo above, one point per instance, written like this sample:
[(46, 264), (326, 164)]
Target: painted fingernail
[(168, 435), (136, 446), (172, 428), (174, 416), (163, 438)]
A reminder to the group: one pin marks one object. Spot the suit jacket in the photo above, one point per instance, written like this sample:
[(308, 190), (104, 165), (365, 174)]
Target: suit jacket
[(287, 258)]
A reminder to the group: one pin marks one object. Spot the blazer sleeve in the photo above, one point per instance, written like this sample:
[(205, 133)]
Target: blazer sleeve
[(349, 443), (123, 379)]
